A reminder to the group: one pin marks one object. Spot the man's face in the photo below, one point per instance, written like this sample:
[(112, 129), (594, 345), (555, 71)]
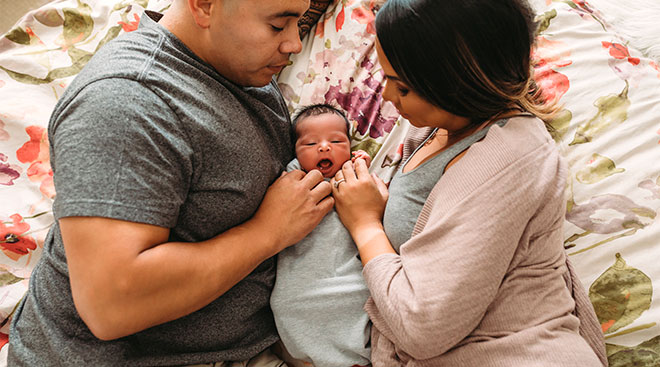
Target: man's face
[(251, 40), (322, 143)]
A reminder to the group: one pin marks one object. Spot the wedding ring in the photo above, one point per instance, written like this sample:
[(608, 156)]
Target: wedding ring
[(338, 182)]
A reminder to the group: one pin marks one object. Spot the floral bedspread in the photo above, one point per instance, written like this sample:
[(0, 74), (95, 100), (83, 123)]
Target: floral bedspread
[(608, 130)]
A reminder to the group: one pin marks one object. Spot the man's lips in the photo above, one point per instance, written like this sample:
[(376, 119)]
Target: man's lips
[(278, 67)]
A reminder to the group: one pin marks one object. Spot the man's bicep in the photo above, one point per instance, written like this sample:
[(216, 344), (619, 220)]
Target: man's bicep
[(94, 243), (120, 155)]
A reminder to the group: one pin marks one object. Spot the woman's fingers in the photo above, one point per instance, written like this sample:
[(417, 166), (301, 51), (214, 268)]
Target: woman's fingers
[(382, 186), (361, 169), (348, 173)]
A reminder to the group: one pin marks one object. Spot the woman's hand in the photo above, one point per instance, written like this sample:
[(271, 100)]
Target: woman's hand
[(360, 198)]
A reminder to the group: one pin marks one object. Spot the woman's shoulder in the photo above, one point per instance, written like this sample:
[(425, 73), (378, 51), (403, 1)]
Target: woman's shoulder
[(520, 138), (519, 151), (524, 133)]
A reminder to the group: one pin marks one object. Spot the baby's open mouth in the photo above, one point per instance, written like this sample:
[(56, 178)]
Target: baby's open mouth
[(324, 164)]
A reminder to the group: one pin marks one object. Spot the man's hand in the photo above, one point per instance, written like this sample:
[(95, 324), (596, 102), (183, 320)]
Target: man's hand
[(293, 206)]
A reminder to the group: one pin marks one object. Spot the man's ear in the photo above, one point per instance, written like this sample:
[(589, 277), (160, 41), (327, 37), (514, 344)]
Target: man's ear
[(201, 11)]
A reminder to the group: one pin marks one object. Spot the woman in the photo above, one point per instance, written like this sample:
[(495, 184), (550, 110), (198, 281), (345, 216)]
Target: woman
[(465, 263)]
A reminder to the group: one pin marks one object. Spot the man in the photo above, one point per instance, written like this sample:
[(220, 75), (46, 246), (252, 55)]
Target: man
[(167, 151)]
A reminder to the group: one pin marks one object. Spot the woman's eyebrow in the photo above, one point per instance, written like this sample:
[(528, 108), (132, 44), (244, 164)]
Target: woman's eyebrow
[(392, 77)]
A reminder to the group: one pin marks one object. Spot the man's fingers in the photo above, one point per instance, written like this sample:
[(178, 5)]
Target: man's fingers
[(312, 178), (320, 191), (295, 174), (326, 204)]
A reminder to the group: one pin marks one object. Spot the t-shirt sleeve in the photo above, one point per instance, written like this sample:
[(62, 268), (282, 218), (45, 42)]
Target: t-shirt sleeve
[(118, 152)]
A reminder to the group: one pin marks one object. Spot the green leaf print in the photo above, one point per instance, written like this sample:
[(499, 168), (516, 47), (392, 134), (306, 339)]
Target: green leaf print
[(122, 4), (544, 19), (599, 168), (49, 18), (620, 295), (368, 145), (112, 33), (79, 58), (560, 124), (612, 109), (78, 23), (18, 35), (644, 354), (7, 278)]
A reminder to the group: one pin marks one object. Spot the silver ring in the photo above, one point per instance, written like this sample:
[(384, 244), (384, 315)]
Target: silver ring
[(338, 182)]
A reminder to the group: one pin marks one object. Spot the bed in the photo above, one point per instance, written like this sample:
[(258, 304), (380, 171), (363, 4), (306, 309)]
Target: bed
[(603, 67)]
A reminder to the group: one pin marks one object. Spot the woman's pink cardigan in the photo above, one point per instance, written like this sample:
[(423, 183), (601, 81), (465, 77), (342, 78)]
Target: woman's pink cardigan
[(484, 281)]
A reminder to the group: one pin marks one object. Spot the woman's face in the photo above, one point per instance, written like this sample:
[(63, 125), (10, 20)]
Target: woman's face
[(412, 106)]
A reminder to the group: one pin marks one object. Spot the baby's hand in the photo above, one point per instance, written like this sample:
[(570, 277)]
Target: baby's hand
[(361, 154)]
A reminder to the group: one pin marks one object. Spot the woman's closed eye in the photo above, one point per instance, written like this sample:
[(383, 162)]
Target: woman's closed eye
[(277, 29), (403, 91)]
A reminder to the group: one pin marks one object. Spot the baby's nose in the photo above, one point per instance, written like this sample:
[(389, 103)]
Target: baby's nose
[(324, 147)]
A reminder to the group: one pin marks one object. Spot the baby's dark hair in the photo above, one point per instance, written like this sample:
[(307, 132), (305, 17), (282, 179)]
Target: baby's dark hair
[(319, 109)]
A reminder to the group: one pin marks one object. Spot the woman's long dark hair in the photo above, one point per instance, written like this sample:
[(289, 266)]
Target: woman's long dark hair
[(469, 57)]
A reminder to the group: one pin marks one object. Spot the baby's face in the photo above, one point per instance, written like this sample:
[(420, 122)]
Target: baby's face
[(322, 143)]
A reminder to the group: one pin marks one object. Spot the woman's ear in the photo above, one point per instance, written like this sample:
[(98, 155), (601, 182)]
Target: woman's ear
[(201, 11)]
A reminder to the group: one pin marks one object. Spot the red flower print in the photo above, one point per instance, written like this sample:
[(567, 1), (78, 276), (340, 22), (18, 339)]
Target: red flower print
[(366, 15), (548, 56), (620, 52), (130, 26), (35, 151), (12, 241)]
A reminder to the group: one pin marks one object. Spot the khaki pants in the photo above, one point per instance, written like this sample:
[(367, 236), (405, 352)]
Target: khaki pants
[(264, 359)]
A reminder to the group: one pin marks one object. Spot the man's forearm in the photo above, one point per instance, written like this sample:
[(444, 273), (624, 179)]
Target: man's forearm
[(140, 289)]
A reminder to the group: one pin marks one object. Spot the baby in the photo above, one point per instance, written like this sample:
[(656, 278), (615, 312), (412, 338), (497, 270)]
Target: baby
[(322, 140), (319, 291)]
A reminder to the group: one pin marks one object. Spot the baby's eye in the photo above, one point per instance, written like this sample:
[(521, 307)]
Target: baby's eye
[(337, 141), (310, 144)]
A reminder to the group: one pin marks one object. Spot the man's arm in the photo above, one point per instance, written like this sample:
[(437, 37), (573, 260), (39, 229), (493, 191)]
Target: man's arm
[(125, 277)]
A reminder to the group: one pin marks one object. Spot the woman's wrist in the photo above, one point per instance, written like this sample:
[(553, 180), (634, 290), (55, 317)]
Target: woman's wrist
[(371, 241)]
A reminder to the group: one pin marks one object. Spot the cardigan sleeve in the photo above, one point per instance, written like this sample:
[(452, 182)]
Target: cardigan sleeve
[(431, 296)]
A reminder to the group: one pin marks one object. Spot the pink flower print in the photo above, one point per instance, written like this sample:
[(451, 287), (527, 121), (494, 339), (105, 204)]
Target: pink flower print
[(8, 172), (656, 67), (13, 242), (130, 26), (4, 135), (363, 106)]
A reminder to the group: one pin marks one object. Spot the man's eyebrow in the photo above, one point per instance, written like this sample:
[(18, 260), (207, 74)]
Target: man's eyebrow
[(286, 14)]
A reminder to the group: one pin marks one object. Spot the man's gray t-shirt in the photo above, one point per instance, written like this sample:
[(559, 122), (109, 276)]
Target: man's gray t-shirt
[(150, 133)]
